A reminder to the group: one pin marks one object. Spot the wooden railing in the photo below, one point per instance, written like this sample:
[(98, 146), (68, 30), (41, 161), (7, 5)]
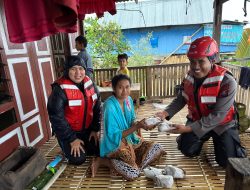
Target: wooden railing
[(159, 81), (156, 81)]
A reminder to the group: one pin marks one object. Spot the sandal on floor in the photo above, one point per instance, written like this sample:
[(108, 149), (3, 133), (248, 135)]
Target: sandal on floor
[(164, 181), (151, 172), (177, 173)]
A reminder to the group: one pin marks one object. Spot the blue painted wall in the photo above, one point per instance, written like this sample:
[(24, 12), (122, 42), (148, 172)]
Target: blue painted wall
[(166, 39), (230, 36)]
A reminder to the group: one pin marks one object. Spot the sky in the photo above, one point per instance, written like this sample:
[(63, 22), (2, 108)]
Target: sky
[(233, 10)]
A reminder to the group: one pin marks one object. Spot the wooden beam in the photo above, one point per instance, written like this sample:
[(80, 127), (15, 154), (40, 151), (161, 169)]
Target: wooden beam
[(217, 21), (237, 174), (80, 27)]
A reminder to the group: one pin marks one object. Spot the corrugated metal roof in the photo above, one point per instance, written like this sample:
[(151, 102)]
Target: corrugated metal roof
[(161, 13)]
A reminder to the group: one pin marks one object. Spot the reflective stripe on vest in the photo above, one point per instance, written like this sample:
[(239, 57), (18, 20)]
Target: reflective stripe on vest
[(213, 79), (87, 84), (68, 86), (75, 102), (208, 99), (94, 97)]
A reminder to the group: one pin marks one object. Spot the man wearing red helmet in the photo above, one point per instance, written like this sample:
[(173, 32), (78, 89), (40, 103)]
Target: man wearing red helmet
[(209, 91)]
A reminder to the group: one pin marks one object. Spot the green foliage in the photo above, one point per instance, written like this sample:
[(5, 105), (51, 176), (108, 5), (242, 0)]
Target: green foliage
[(243, 50), (142, 52), (105, 42)]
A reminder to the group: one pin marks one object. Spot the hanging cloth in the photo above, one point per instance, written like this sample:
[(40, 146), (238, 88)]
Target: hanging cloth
[(29, 20), (244, 80), (96, 6)]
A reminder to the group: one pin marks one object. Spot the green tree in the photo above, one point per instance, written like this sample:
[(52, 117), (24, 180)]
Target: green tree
[(243, 50), (106, 40), (142, 52)]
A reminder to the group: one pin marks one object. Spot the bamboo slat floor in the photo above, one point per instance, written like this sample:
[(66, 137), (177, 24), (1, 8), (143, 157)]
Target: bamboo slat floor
[(202, 172)]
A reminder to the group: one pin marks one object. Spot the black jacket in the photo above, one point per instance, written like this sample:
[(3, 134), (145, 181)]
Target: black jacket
[(60, 126)]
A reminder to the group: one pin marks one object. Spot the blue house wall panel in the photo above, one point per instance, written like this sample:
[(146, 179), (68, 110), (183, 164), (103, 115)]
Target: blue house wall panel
[(228, 48), (230, 34), (166, 39)]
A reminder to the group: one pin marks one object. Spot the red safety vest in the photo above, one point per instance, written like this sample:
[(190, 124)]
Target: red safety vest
[(207, 95), (79, 111)]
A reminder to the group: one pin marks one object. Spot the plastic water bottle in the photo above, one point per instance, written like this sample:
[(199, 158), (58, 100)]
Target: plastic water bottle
[(52, 164)]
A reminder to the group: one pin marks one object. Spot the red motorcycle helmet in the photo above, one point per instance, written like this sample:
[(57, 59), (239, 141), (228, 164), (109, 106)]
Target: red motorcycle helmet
[(202, 47)]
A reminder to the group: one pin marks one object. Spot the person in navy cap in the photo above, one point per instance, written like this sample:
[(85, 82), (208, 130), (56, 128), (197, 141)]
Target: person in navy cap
[(74, 112)]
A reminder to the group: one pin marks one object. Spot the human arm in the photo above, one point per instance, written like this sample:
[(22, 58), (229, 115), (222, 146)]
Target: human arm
[(179, 129), (96, 122), (111, 130), (223, 104), (174, 107), (89, 63), (56, 105), (135, 127)]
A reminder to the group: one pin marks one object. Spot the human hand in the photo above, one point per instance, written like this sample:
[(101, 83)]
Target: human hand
[(76, 147), (179, 129), (149, 127), (162, 115), (95, 135), (142, 124)]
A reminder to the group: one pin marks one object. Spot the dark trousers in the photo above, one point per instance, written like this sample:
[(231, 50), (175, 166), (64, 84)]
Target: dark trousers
[(89, 147), (225, 145)]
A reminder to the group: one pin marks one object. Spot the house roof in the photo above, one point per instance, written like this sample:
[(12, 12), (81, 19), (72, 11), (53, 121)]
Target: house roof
[(151, 13)]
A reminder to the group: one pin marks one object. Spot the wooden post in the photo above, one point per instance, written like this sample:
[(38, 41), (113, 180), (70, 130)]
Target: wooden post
[(80, 27), (217, 21), (148, 82), (237, 174)]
